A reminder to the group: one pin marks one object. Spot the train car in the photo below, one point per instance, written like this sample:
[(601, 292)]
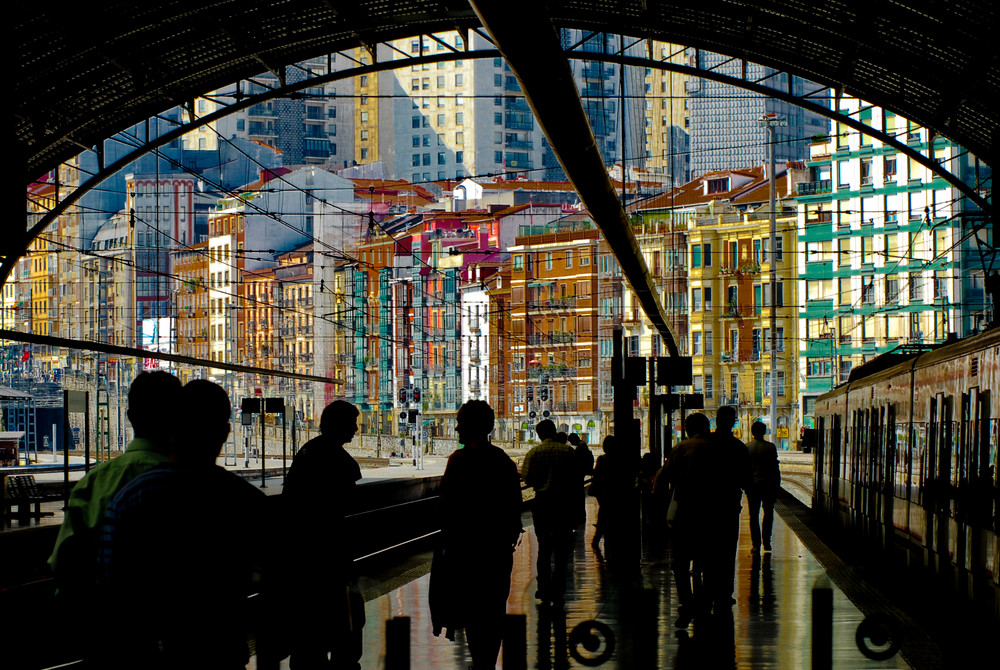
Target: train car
[(906, 458)]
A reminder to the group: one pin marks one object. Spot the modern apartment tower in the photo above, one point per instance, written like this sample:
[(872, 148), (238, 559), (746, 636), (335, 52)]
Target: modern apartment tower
[(723, 127)]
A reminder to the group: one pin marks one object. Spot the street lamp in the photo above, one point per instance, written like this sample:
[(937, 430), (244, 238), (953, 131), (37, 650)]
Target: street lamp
[(771, 121)]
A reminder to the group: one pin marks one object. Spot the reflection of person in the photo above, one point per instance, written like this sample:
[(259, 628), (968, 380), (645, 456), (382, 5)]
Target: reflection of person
[(764, 489), (319, 489), (550, 468), (481, 499), (153, 413), (177, 563), (732, 477)]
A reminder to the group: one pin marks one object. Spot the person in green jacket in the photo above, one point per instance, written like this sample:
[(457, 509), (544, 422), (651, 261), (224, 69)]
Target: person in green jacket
[(153, 401)]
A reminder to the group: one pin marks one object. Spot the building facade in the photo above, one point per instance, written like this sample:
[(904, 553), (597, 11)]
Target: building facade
[(889, 256)]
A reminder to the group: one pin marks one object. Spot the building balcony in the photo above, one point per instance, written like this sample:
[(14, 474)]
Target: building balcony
[(553, 371), (814, 187), (305, 302), (741, 270), (564, 406), (474, 324), (738, 312), (474, 357), (568, 302)]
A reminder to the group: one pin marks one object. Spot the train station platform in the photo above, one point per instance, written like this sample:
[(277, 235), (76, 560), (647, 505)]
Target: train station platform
[(633, 616)]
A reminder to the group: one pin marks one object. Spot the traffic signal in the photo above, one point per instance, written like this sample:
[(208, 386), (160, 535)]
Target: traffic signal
[(544, 394), (402, 396), (416, 395), (531, 394)]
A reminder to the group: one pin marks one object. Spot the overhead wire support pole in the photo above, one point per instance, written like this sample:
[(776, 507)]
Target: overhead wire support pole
[(770, 122), (531, 46)]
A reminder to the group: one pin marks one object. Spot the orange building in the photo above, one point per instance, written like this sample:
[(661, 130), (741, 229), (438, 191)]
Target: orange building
[(554, 305)]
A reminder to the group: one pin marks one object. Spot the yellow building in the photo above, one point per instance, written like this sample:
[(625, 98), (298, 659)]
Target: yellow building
[(728, 304)]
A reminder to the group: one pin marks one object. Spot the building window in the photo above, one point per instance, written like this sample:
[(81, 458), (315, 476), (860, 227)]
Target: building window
[(459, 156), (459, 79), (696, 300), (695, 255)]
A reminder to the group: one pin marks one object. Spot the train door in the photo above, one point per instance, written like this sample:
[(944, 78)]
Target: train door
[(928, 488), (943, 490), (889, 472), (835, 470), (820, 485)]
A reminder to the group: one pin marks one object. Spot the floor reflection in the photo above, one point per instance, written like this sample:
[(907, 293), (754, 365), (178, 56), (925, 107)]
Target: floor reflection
[(626, 621)]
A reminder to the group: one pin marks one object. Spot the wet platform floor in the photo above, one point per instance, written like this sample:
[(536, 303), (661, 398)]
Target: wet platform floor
[(770, 625)]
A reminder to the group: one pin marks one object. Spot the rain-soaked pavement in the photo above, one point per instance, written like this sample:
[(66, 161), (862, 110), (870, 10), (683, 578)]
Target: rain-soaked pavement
[(770, 625)]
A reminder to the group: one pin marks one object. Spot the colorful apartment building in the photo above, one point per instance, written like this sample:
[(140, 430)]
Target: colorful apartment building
[(889, 257)]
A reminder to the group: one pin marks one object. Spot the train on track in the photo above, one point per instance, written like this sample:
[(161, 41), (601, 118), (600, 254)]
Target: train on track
[(906, 457)]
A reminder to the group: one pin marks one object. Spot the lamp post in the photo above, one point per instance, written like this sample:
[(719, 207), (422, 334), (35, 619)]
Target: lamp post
[(771, 121)]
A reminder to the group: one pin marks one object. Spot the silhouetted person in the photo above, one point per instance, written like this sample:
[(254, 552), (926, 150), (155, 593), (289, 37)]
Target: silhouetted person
[(763, 490), (153, 413), (550, 468), (689, 471), (600, 485), (319, 491), (585, 457), (562, 438), (481, 523), (585, 466), (615, 478), (732, 468), (179, 549)]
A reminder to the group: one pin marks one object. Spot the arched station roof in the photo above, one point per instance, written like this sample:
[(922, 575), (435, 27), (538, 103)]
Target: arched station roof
[(85, 70)]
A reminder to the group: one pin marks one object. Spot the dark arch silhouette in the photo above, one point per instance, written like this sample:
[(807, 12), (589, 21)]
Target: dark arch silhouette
[(86, 70)]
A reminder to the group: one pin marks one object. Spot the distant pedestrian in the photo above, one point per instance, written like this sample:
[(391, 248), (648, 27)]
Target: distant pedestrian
[(550, 468), (731, 479), (319, 491), (481, 524), (177, 563), (764, 489), (153, 411), (562, 438)]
